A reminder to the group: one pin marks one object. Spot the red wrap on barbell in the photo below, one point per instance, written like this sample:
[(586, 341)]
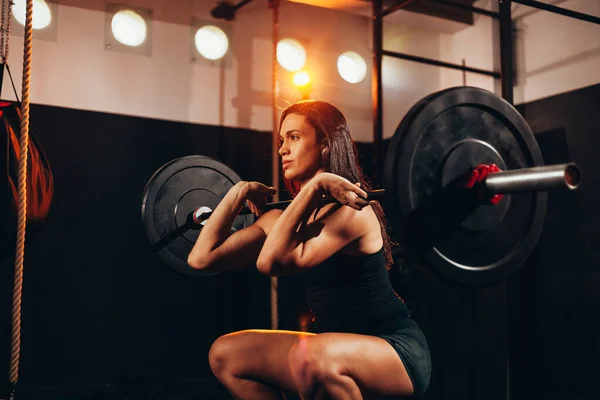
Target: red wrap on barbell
[(475, 180)]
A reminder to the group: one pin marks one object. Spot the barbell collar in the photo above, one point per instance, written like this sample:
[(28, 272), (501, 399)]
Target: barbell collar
[(536, 179)]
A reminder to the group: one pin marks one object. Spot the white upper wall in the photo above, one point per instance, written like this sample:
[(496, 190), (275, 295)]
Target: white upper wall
[(72, 67), (477, 46), (406, 82), (76, 70), (327, 34), (554, 53)]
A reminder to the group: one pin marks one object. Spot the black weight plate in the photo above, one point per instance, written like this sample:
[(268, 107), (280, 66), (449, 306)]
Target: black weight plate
[(172, 193), (389, 176), (441, 137)]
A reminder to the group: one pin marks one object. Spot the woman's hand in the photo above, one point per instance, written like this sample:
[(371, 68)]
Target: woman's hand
[(255, 193), (342, 190)]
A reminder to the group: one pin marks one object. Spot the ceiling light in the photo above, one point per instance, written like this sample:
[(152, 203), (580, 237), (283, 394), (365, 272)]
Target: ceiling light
[(41, 13), (129, 28), (352, 67), (211, 42), (291, 54)]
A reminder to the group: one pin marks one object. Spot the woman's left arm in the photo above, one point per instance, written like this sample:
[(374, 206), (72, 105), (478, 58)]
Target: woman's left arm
[(293, 244)]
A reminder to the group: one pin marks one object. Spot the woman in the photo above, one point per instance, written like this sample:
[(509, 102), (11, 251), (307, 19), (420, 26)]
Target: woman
[(365, 345)]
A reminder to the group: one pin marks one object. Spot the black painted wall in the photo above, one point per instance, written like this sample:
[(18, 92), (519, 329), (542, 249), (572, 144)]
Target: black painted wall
[(103, 317), (99, 307), (555, 300), (544, 321)]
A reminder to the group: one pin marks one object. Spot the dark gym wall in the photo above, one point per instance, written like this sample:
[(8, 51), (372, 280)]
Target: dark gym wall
[(99, 307), (466, 328), (547, 314), (555, 299)]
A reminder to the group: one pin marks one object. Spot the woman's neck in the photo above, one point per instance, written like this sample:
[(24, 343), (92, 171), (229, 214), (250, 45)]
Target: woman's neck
[(304, 182)]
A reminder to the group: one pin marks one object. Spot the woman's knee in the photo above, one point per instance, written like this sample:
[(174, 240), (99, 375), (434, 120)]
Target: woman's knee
[(311, 365), (221, 355)]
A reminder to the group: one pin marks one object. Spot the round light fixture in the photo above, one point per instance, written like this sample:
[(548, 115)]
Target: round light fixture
[(301, 78), (352, 67), (129, 28), (291, 54), (211, 42), (41, 13)]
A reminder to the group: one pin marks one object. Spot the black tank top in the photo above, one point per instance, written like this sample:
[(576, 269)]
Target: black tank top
[(354, 295)]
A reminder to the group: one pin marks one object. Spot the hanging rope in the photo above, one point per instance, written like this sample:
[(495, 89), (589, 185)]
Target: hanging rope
[(22, 184), (274, 5)]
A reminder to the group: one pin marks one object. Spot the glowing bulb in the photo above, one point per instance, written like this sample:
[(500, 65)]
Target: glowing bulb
[(211, 42), (301, 78), (129, 28), (291, 54), (41, 13), (352, 67)]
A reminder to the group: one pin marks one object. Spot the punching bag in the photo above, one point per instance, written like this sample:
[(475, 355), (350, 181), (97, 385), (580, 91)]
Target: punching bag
[(40, 183)]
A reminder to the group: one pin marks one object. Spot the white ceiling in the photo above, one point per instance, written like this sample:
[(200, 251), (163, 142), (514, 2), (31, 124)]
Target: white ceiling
[(407, 18)]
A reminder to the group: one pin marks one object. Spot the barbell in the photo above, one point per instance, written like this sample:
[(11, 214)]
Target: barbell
[(465, 189)]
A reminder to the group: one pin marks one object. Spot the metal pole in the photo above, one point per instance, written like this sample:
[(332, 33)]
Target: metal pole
[(506, 51), (394, 8), (559, 10), (241, 4), (377, 88), (274, 4), (472, 9), (438, 63)]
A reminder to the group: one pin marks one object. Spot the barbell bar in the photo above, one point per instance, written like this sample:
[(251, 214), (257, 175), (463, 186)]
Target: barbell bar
[(550, 177), (465, 189)]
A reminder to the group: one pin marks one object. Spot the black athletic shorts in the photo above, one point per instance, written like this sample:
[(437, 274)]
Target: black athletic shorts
[(411, 345)]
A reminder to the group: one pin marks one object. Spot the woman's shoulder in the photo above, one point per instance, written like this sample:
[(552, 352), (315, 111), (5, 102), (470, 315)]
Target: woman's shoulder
[(356, 222), (364, 226)]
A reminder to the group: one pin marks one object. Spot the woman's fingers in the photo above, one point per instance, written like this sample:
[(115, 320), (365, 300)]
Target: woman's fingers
[(359, 196), (358, 202), (361, 202), (255, 210), (357, 192), (351, 199), (357, 189)]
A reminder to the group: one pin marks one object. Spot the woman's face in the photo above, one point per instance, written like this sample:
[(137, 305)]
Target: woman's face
[(300, 150)]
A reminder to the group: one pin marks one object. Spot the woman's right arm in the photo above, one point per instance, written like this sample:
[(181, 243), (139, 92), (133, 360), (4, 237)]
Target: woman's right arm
[(216, 249)]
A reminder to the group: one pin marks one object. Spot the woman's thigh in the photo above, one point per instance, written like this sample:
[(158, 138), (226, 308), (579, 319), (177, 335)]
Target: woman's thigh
[(370, 361), (260, 355)]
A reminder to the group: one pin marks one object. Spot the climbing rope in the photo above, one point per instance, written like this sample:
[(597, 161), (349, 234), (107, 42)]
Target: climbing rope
[(22, 205)]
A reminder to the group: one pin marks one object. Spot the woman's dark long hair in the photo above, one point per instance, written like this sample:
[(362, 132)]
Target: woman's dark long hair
[(340, 156)]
